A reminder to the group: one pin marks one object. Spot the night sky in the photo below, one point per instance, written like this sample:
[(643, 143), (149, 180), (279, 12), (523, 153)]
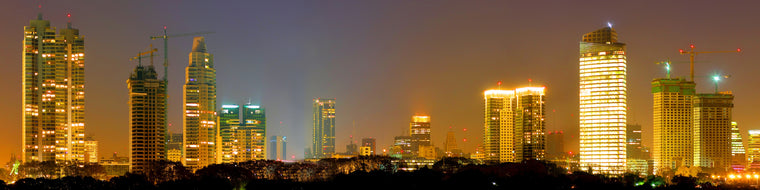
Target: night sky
[(385, 60)]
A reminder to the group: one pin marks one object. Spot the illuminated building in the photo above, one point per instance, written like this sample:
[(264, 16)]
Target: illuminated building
[(419, 130), (514, 125), (199, 108), (242, 136), (277, 145), (498, 138), (147, 119), (174, 147), (529, 124), (712, 130), (753, 146), (370, 142), (738, 154), (90, 150), (365, 151), (323, 136), (602, 102), (402, 147), (673, 124), (555, 147), (53, 93)]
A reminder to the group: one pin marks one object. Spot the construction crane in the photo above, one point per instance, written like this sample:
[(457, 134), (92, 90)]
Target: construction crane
[(148, 53), (166, 48), (693, 53), (166, 69)]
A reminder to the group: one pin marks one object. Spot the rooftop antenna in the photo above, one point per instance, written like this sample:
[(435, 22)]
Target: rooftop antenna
[(39, 9), (498, 84), (68, 24), (529, 82)]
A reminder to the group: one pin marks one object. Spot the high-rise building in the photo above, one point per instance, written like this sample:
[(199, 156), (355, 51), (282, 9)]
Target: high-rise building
[(419, 130), (199, 108), (529, 126), (242, 137), (402, 147), (602, 102), (277, 148), (738, 153), (712, 130), (53, 93), (753, 146), (514, 125), (147, 118), (323, 136), (555, 148), (498, 138), (90, 150), (450, 145), (637, 156), (673, 123), (371, 143), (174, 147)]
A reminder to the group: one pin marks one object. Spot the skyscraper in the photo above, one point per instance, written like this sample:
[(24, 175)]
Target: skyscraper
[(199, 108), (602, 102), (53, 93), (753, 146), (419, 130), (529, 126), (738, 153), (241, 141), (498, 138), (370, 142), (673, 123), (147, 118), (323, 136), (277, 148), (712, 130)]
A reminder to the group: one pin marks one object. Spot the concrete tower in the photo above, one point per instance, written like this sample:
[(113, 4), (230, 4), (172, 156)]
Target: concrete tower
[(199, 119)]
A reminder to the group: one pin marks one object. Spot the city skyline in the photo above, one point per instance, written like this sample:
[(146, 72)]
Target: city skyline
[(106, 116)]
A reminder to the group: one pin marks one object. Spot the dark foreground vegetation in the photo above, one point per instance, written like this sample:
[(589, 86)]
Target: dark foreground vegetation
[(366, 173)]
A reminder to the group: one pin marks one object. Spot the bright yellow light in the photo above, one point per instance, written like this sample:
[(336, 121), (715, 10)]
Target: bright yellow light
[(757, 176), (732, 176)]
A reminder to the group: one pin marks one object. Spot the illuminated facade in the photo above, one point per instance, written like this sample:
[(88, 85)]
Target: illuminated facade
[(514, 125), (498, 137), (712, 130), (174, 147), (602, 102), (419, 129), (371, 143), (753, 146), (738, 153), (242, 137), (323, 136), (530, 142), (90, 151), (147, 126), (673, 124), (199, 115), (53, 93), (450, 146)]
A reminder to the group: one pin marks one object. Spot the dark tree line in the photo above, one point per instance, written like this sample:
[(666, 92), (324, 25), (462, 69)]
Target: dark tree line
[(354, 173)]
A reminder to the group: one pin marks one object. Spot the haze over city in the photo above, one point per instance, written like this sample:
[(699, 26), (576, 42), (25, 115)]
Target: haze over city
[(385, 61)]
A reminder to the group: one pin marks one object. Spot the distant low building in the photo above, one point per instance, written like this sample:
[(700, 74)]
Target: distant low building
[(365, 151)]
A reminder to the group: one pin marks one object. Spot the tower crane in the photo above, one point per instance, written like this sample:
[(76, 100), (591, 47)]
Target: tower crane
[(693, 53), (166, 69), (148, 53)]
